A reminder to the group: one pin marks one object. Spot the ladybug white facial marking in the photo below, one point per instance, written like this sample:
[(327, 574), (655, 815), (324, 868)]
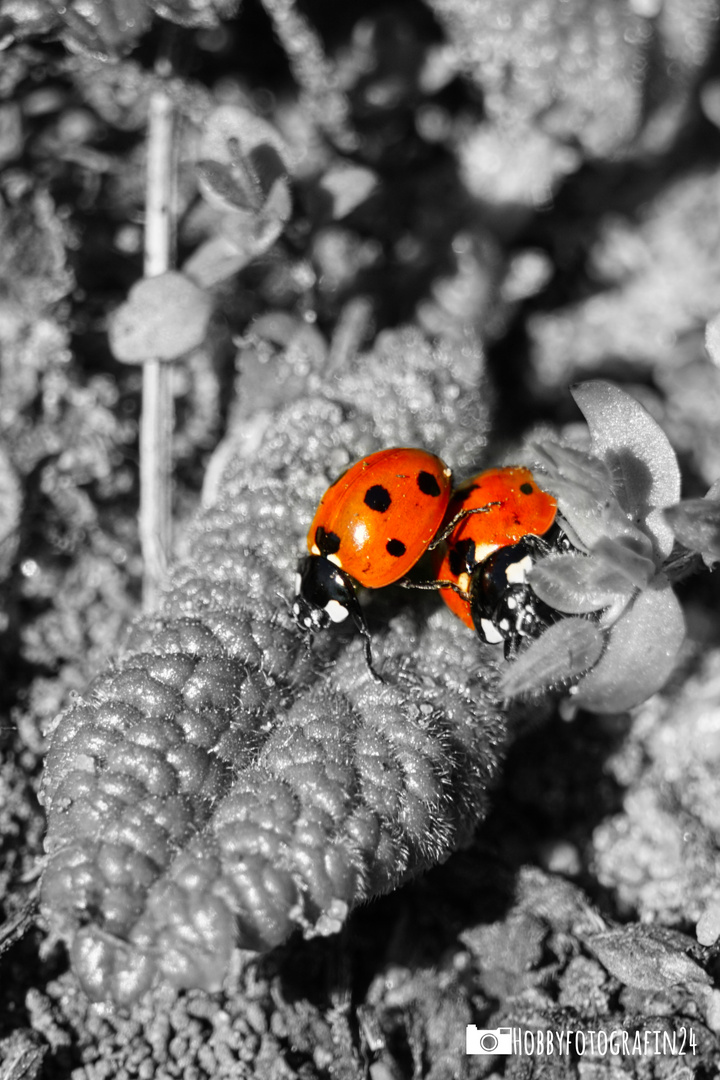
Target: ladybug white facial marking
[(490, 632), (336, 611), (517, 572), (307, 619), (335, 560)]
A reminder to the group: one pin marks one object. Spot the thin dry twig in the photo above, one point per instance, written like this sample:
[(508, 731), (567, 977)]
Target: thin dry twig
[(157, 421), (16, 927)]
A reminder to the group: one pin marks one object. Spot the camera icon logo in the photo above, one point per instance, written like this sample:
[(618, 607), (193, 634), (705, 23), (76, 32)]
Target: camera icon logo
[(488, 1040)]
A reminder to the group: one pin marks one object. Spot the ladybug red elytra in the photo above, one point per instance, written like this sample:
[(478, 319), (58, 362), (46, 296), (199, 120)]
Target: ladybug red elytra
[(371, 527), (485, 560)]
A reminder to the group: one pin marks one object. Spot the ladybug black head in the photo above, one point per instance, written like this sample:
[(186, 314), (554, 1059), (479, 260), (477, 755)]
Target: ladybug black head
[(502, 604), (325, 594)]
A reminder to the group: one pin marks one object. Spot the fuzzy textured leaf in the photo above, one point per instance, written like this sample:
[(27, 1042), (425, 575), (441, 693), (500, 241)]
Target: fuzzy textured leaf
[(582, 484), (696, 524), (622, 554), (642, 648), (578, 584), (646, 475), (221, 784), (566, 650)]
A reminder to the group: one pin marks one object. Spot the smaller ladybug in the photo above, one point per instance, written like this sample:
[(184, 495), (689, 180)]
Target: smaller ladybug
[(484, 563), (372, 526)]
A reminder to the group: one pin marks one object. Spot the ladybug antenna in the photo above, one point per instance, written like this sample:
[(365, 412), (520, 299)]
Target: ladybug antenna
[(460, 516), (288, 604)]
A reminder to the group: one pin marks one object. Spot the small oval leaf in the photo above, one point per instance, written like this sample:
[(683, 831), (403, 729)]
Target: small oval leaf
[(243, 164), (638, 957), (216, 260), (347, 186), (642, 647), (628, 557), (229, 186), (578, 584), (587, 502), (575, 466), (696, 524), (564, 651), (646, 474), (163, 318)]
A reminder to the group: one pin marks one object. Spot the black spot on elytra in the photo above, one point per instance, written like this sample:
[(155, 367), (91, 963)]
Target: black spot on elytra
[(378, 498), (527, 489), (461, 557), (461, 497), (428, 484), (396, 548), (456, 562), (328, 542)]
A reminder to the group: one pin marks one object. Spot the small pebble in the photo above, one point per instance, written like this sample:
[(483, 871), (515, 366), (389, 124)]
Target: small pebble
[(708, 925), (712, 1010)]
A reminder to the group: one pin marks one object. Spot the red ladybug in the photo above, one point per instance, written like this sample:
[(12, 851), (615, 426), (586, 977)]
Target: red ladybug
[(487, 557), (371, 527)]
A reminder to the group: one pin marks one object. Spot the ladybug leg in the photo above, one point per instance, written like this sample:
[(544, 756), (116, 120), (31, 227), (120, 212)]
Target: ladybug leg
[(361, 626), (325, 594), (460, 516)]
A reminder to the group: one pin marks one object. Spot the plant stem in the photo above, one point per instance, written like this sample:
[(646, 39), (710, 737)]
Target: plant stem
[(156, 422), (315, 75), (352, 327)]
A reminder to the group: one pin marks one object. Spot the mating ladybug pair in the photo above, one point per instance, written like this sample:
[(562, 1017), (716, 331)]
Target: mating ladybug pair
[(380, 517)]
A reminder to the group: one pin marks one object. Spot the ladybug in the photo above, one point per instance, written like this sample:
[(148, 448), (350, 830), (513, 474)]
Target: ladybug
[(372, 526), (484, 563)]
